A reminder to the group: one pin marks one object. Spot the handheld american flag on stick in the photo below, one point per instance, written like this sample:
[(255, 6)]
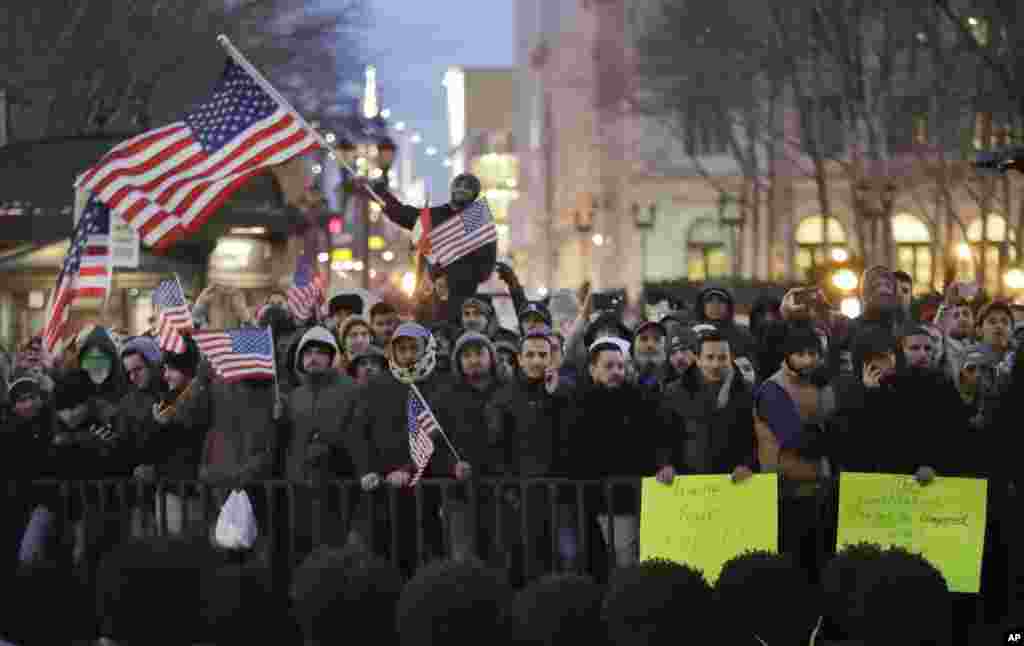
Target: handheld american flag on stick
[(462, 234), (238, 355), (175, 315), (167, 182), (306, 291), (421, 424), (85, 274)]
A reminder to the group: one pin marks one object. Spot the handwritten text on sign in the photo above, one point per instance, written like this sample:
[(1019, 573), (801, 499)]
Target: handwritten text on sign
[(944, 521), (704, 521)]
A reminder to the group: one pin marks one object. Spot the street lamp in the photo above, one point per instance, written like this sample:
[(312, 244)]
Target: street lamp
[(732, 219)]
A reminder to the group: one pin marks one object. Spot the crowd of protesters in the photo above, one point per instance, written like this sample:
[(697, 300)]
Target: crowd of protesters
[(802, 391)]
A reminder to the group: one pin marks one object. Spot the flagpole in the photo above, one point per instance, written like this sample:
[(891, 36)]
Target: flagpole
[(273, 357), (244, 63), (423, 401)]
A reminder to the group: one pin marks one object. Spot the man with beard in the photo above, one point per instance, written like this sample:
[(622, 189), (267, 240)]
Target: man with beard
[(956, 320), (612, 432), (681, 354), (882, 309), (366, 365), (649, 357), (315, 417), (176, 447), (465, 273), (379, 437), (865, 438), (475, 367), (717, 306), (525, 427), (791, 410), (476, 315)]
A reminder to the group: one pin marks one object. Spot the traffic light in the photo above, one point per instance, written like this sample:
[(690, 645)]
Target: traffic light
[(335, 225)]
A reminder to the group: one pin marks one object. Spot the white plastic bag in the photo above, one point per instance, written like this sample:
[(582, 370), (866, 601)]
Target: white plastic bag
[(236, 526)]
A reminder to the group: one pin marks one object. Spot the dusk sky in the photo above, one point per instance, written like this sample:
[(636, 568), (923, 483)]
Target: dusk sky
[(413, 43)]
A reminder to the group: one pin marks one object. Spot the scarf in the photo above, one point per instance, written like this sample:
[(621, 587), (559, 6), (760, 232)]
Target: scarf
[(425, 362)]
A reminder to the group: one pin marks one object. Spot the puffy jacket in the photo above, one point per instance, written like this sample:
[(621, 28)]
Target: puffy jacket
[(318, 419)]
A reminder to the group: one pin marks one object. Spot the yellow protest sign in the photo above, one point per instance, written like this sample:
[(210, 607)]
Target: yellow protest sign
[(704, 521), (943, 521)]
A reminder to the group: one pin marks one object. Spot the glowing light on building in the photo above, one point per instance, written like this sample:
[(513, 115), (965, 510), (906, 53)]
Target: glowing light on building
[(455, 83), (409, 283), (370, 107)]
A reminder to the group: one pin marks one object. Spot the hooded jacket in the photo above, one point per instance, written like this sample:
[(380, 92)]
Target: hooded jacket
[(135, 422), (95, 450), (471, 403), (379, 433), (318, 414), (740, 341)]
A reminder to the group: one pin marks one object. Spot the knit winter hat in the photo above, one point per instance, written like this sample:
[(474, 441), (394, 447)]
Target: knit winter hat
[(144, 345)]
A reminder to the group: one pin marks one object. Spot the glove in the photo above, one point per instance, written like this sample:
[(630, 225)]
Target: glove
[(370, 481)]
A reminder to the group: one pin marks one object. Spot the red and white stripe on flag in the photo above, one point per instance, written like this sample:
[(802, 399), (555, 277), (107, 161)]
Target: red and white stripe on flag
[(85, 276), (422, 424), (462, 234), (174, 322), (238, 355), (167, 182)]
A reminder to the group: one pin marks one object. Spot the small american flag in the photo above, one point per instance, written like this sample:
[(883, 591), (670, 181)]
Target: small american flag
[(422, 424), (85, 274), (167, 182), (239, 355), (175, 316), (306, 291), (462, 234)]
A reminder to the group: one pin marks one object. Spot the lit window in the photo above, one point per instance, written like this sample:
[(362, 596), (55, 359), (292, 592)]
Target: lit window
[(707, 255), (812, 251), (979, 29)]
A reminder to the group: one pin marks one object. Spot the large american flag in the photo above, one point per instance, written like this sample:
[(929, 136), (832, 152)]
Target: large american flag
[(306, 291), (462, 234), (167, 182), (85, 274), (422, 424), (175, 316), (238, 355)]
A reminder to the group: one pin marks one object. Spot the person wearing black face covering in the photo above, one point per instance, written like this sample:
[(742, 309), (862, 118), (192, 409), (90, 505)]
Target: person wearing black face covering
[(464, 274)]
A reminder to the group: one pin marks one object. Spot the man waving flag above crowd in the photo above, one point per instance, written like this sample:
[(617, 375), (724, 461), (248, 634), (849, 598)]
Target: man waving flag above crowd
[(167, 182)]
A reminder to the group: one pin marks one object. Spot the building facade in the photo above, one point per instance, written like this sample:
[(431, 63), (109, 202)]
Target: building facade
[(481, 110), (614, 197)]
